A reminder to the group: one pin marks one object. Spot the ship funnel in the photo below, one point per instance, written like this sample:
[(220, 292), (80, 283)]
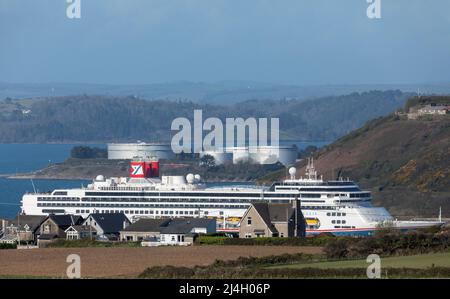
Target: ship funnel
[(144, 168)]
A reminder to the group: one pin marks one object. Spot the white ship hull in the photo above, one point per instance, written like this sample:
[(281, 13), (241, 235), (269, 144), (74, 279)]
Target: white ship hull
[(336, 207)]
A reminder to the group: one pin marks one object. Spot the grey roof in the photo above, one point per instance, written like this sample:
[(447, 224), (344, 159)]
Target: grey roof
[(33, 221), (111, 223), (147, 225), (274, 212), (48, 236), (185, 225), (280, 212), (64, 221)]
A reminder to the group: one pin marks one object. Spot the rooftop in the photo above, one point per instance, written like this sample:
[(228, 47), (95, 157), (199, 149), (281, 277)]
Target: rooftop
[(147, 225), (185, 225)]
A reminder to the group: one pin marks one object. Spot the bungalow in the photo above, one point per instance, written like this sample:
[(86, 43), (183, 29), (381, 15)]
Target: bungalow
[(107, 225), (54, 227), (272, 220), (24, 228), (181, 231), (143, 229), (434, 110)]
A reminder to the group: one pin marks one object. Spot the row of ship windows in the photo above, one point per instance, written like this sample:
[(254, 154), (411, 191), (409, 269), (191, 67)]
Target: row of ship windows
[(58, 198), (188, 194), (320, 189), (173, 206), (329, 183), (140, 206), (162, 200), (112, 199), (318, 207), (359, 195), (142, 212), (336, 214), (338, 221)]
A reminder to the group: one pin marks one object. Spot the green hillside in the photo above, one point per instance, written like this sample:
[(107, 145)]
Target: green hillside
[(107, 119), (405, 163)]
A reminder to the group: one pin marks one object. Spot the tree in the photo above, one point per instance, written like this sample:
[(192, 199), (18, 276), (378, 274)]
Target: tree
[(86, 152), (208, 161)]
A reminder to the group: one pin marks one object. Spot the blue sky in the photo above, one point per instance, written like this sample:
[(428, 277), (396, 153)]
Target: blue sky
[(281, 41)]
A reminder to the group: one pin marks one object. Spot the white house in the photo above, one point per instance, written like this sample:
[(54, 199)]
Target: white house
[(181, 231)]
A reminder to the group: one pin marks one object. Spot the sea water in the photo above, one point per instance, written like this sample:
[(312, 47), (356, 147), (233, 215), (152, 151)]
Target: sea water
[(20, 158)]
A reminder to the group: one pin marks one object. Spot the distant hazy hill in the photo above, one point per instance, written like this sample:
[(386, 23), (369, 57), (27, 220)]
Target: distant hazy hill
[(406, 163), (224, 92), (102, 118)]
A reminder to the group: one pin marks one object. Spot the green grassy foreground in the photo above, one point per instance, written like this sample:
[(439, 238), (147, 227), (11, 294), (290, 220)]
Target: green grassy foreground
[(422, 261)]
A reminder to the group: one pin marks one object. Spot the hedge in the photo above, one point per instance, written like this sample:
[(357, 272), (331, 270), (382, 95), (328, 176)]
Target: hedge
[(218, 240), (90, 243), (8, 246)]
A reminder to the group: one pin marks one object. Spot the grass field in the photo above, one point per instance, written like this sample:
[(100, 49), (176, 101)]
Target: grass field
[(414, 261)]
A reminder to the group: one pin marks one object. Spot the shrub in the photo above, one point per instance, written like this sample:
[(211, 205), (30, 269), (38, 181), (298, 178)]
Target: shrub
[(90, 243), (389, 243), (8, 246)]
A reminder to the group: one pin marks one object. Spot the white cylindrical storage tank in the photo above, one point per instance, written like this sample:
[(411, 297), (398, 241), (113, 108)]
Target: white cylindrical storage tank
[(240, 154), (130, 150), (273, 154), (265, 155), (287, 155)]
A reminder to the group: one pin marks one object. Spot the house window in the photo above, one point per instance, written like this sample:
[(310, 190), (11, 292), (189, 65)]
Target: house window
[(248, 236), (249, 221), (282, 235), (46, 228), (173, 239)]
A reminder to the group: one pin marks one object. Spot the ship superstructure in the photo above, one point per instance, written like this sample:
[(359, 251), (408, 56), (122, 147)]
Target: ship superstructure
[(337, 207)]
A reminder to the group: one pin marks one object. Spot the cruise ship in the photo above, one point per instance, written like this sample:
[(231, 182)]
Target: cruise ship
[(339, 207)]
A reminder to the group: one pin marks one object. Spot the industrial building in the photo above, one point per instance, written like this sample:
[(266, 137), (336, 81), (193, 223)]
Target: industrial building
[(286, 155), (118, 151)]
